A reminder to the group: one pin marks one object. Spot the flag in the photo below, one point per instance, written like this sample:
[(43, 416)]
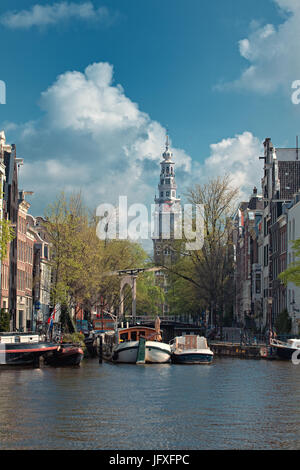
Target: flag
[(51, 318)]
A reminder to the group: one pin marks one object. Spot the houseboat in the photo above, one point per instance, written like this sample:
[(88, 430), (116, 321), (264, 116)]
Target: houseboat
[(23, 349), (64, 355), (285, 350), (190, 349), (135, 345)]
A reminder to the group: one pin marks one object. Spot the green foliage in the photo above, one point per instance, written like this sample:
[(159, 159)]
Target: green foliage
[(150, 296), (82, 264), (184, 296), (7, 235), (75, 338), (292, 273), (283, 323), (4, 320)]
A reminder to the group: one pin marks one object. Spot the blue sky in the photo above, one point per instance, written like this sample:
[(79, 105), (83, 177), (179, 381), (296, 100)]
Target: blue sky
[(179, 63)]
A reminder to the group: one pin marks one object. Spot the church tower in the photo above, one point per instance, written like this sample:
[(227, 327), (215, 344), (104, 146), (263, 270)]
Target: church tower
[(167, 212)]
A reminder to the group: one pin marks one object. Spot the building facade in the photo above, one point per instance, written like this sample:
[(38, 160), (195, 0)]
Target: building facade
[(41, 271), (25, 244), (248, 264), (293, 291), (263, 245)]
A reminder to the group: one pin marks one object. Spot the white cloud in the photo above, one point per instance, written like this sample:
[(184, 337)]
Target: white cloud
[(272, 53), (239, 157), (94, 139), (46, 15)]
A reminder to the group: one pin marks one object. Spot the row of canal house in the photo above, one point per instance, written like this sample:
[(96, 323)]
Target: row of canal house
[(265, 227), (25, 272)]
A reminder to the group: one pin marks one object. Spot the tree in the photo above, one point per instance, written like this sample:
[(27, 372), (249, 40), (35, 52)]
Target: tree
[(210, 269), (82, 263), (283, 323), (150, 296), (4, 320), (184, 296), (7, 235), (292, 273)]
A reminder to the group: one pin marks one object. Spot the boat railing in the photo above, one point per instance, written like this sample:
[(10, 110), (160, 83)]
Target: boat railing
[(277, 342)]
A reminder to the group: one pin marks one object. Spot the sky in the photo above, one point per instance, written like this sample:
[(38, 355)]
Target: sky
[(92, 86)]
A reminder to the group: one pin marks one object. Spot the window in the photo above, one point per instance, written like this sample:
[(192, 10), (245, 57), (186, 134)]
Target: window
[(265, 227), (257, 283), (266, 255)]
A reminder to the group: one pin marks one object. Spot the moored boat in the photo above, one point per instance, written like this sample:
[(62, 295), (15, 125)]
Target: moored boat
[(135, 345), (23, 349), (190, 349), (65, 355), (285, 350)]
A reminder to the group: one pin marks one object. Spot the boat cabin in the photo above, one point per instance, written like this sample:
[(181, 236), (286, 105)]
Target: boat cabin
[(136, 332), (294, 343), (188, 342), (11, 338)]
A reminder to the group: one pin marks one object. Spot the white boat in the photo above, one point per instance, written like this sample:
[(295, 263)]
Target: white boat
[(190, 349), (286, 349), (135, 345)]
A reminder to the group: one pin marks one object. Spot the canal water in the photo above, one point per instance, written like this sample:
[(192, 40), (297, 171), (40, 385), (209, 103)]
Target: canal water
[(231, 404)]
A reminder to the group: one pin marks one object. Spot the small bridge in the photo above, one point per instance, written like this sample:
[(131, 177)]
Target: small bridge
[(172, 325)]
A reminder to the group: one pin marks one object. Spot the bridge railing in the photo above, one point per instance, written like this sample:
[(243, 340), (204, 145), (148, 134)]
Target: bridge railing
[(167, 318)]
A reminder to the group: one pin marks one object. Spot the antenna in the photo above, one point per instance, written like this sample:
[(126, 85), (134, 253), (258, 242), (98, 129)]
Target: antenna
[(297, 149)]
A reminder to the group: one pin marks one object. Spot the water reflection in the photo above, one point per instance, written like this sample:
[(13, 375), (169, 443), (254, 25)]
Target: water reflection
[(232, 404)]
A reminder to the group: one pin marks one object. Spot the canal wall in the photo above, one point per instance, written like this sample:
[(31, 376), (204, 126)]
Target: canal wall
[(240, 350)]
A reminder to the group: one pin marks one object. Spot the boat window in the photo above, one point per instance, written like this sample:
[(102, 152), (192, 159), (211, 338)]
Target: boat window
[(133, 336), (124, 337)]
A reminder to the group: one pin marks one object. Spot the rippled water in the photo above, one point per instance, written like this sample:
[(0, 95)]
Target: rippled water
[(232, 404)]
